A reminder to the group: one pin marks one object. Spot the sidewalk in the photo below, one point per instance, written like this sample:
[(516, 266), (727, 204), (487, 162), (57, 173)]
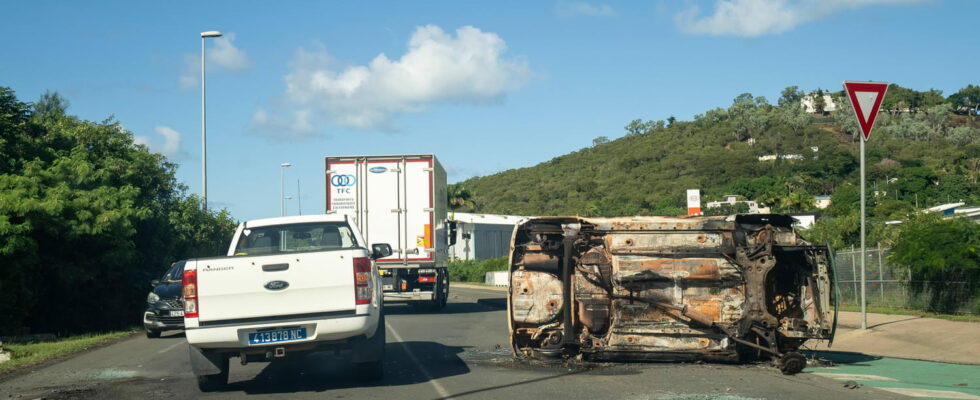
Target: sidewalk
[(907, 336)]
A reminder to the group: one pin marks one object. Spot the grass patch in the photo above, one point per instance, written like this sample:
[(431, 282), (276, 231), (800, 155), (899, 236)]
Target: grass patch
[(30, 353), (918, 313), (471, 271)]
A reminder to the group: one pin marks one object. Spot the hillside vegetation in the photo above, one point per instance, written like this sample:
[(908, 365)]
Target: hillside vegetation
[(925, 151)]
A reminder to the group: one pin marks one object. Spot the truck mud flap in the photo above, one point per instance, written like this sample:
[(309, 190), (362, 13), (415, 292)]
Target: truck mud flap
[(205, 363)]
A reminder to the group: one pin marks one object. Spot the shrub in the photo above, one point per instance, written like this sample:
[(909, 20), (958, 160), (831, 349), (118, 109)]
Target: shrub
[(475, 271)]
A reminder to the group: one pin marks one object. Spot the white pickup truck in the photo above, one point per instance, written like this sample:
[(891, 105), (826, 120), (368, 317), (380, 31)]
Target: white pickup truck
[(289, 285)]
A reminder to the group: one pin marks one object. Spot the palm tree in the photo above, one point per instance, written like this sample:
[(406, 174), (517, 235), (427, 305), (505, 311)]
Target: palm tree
[(458, 196)]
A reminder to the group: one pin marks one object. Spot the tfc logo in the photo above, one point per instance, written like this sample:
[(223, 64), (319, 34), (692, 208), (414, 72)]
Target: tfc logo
[(343, 180)]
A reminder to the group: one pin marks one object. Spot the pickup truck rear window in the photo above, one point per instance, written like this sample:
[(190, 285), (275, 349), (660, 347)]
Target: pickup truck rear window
[(295, 238)]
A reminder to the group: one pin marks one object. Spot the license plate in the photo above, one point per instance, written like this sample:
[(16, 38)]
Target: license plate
[(387, 287), (276, 336), (176, 313)]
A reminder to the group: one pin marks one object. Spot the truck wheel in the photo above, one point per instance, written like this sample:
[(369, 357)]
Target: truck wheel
[(210, 383), (152, 334), (374, 370), (442, 291)]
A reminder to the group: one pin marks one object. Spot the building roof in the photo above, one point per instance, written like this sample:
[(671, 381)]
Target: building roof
[(493, 219)]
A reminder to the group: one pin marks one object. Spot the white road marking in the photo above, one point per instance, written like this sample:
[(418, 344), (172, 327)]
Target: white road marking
[(941, 394), (856, 377), (171, 347), (425, 373)]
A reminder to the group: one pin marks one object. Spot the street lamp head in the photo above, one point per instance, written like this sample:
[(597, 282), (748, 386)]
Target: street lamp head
[(285, 164), (210, 34)]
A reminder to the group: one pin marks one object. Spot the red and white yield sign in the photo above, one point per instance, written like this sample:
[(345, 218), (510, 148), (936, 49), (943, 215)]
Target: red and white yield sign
[(866, 99)]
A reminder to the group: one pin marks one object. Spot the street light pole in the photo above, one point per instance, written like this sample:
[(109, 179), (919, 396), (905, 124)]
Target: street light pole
[(282, 188), (204, 124)]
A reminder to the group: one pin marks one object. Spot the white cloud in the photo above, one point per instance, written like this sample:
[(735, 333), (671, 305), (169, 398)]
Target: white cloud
[(171, 141), (751, 18), (469, 67), (581, 8), (223, 56)]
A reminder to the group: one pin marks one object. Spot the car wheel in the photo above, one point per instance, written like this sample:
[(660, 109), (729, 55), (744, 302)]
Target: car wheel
[(152, 334), (211, 383)]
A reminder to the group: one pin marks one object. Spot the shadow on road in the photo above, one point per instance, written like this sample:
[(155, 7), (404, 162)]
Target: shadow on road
[(319, 372), (451, 308), (841, 357)]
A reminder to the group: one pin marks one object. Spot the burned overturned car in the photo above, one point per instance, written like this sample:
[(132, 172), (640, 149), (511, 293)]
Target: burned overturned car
[(668, 288)]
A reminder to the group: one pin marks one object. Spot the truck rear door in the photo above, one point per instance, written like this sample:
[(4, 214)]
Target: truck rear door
[(391, 200)]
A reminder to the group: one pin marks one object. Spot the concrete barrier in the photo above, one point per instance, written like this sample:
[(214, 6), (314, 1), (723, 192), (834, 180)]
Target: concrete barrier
[(497, 278)]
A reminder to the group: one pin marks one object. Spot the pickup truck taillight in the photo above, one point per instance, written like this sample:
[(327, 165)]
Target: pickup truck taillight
[(189, 281), (362, 280)]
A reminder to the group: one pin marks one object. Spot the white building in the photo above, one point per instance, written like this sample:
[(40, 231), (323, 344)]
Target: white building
[(732, 199), (482, 236), (808, 103)]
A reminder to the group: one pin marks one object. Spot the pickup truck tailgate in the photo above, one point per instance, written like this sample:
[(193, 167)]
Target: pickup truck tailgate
[(235, 288)]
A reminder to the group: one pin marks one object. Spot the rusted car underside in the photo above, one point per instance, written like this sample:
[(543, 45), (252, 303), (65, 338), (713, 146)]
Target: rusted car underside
[(665, 288)]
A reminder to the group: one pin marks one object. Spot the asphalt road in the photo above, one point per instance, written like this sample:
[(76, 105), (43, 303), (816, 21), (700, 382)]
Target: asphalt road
[(461, 352)]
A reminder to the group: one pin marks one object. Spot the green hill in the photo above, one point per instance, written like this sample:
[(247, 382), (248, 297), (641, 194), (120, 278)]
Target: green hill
[(925, 151)]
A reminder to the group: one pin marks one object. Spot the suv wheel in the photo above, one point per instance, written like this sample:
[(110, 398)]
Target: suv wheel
[(152, 334)]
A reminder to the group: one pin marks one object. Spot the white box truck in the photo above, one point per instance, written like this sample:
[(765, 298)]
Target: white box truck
[(401, 200)]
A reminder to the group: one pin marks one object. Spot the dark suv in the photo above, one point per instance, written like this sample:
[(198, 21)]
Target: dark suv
[(165, 304)]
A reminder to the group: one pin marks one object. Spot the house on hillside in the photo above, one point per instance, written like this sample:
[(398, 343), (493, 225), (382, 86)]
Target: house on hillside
[(822, 201), (482, 236), (732, 200), (809, 103), (949, 210)]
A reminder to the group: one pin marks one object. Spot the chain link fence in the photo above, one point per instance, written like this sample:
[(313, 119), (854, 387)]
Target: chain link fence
[(887, 285)]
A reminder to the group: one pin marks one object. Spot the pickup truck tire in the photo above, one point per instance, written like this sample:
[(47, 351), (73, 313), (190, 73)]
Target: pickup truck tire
[(211, 383), (374, 370), (152, 334)]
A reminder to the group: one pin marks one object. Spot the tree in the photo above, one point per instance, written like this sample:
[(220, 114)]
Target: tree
[(943, 257), (600, 140), (51, 103), (458, 196), (636, 127), (819, 103), (87, 219), (966, 100), (790, 97)]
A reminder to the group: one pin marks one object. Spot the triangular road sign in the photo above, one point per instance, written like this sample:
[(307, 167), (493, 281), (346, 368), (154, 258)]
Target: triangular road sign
[(866, 98)]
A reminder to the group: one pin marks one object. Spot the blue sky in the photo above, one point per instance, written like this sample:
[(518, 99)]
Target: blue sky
[(486, 86)]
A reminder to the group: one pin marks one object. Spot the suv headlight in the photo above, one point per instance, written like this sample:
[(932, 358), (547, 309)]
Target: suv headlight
[(152, 298)]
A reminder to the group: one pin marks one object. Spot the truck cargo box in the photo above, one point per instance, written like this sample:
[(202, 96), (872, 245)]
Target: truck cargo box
[(400, 200)]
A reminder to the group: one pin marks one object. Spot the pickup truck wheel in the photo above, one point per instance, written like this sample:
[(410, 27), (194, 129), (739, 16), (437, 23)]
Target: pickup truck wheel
[(210, 383), (374, 370), (152, 334)]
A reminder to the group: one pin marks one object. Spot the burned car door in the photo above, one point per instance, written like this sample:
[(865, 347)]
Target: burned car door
[(663, 288)]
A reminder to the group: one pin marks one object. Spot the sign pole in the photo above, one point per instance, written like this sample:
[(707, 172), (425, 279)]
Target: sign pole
[(864, 300), (866, 99)]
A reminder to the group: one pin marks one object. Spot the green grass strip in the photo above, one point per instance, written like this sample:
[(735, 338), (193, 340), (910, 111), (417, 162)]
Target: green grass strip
[(24, 354)]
